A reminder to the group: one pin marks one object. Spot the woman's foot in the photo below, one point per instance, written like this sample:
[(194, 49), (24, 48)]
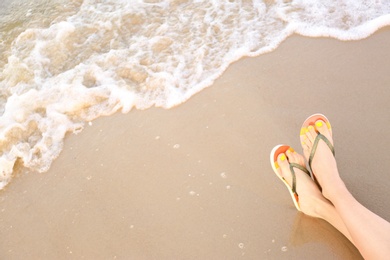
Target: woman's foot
[(310, 199), (323, 163)]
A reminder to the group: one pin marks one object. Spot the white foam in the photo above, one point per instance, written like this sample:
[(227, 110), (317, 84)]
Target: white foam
[(106, 56), (344, 20)]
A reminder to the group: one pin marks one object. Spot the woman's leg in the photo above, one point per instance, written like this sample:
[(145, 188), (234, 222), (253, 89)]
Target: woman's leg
[(369, 232), (311, 201)]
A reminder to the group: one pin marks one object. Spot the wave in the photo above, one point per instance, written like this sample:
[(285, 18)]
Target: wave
[(96, 57)]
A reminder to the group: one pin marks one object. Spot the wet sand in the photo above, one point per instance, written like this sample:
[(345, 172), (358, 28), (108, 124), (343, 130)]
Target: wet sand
[(194, 182)]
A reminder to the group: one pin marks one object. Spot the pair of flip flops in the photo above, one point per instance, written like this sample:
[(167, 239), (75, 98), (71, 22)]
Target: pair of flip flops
[(279, 149)]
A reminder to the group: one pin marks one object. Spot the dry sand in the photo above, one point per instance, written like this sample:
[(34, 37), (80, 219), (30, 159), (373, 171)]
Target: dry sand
[(194, 182)]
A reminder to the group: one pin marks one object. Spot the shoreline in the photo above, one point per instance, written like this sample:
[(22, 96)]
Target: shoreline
[(195, 182)]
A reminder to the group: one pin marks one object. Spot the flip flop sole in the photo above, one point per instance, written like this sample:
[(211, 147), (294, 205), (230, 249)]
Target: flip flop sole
[(273, 158), (311, 120)]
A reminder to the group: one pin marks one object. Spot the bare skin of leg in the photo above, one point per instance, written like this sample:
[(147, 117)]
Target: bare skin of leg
[(311, 200), (369, 232)]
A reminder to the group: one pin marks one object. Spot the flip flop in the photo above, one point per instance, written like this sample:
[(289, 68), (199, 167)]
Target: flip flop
[(311, 120), (273, 158)]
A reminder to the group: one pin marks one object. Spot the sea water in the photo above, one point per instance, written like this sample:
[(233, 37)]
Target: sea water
[(67, 62)]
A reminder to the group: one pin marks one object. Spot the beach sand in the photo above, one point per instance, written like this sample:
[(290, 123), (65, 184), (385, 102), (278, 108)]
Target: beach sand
[(195, 182)]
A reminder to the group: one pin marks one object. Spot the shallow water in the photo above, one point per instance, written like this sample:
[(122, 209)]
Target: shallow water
[(64, 63)]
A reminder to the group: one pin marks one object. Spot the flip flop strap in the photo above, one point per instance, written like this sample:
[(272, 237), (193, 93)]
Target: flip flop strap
[(294, 179), (314, 148)]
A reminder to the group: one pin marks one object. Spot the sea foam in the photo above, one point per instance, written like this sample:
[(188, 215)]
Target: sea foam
[(95, 57)]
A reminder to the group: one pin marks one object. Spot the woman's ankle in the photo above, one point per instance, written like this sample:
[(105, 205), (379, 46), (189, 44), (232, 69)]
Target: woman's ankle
[(335, 189)]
